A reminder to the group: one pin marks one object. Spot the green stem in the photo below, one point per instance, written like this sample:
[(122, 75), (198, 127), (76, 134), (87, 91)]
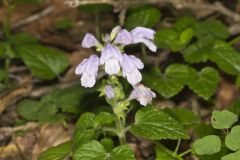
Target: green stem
[(234, 40), (177, 147), (97, 23), (143, 49), (120, 125), (185, 153), (6, 67), (7, 21)]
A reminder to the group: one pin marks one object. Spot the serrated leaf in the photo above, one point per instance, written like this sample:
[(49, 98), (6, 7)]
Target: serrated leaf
[(155, 124), (171, 82), (58, 152), (170, 39), (22, 38), (184, 23), (183, 116), (104, 118), (223, 119), (145, 17), (28, 109), (232, 156), (213, 27), (226, 58), (199, 51), (232, 140), (94, 150), (86, 121), (203, 83), (43, 62), (207, 145)]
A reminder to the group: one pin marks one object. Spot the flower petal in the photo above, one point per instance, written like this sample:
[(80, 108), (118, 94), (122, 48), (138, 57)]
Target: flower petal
[(87, 80), (81, 67), (110, 51), (147, 42), (112, 66), (124, 37), (142, 32), (109, 92), (92, 64), (134, 77), (89, 41)]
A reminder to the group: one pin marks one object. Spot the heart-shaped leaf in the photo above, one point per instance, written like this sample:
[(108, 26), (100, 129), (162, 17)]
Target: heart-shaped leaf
[(203, 83), (223, 119), (156, 124), (232, 140), (207, 145), (171, 82)]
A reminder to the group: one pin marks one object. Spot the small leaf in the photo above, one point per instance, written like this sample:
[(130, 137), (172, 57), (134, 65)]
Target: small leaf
[(28, 109), (94, 150), (223, 119), (58, 152), (145, 17), (184, 23), (81, 136), (104, 118), (107, 143), (232, 140), (203, 83), (183, 116), (86, 121), (207, 145), (22, 38), (163, 153), (44, 62), (232, 156), (171, 82), (155, 124)]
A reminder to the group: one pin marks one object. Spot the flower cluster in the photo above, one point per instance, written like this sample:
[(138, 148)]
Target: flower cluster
[(115, 61)]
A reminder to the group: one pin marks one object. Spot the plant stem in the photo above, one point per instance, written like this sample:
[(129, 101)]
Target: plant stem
[(7, 20), (97, 23), (6, 68), (185, 153), (177, 147), (143, 49), (120, 125)]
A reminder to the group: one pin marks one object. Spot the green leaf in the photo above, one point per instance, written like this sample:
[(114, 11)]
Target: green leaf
[(202, 130), (207, 145), (22, 38), (216, 156), (226, 58), (155, 124), (213, 27), (199, 52), (235, 107), (28, 109), (94, 150), (64, 24), (232, 156), (145, 17), (81, 136), (163, 153), (170, 39), (183, 116), (232, 140), (86, 121), (122, 153), (171, 82), (58, 152), (184, 23), (104, 118), (43, 62), (223, 119), (203, 83), (238, 80), (107, 143)]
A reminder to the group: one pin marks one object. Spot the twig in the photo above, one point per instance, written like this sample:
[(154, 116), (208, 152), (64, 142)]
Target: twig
[(34, 17), (178, 4)]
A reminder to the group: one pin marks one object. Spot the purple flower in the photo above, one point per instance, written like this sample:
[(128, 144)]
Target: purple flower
[(88, 68), (90, 41), (144, 35), (124, 37), (130, 68), (109, 92), (143, 94), (111, 56)]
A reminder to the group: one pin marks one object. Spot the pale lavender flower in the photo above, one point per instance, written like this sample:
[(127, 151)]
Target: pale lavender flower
[(124, 37), (88, 68), (111, 56), (90, 41), (144, 35), (109, 92), (142, 94), (130, 69)]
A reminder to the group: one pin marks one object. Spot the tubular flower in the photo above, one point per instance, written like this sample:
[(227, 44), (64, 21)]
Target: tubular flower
[(88, 68), (90, 41), (109, 92), (111, 56), (142, 94), (130, 68), (124, 37), (144, 35)]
